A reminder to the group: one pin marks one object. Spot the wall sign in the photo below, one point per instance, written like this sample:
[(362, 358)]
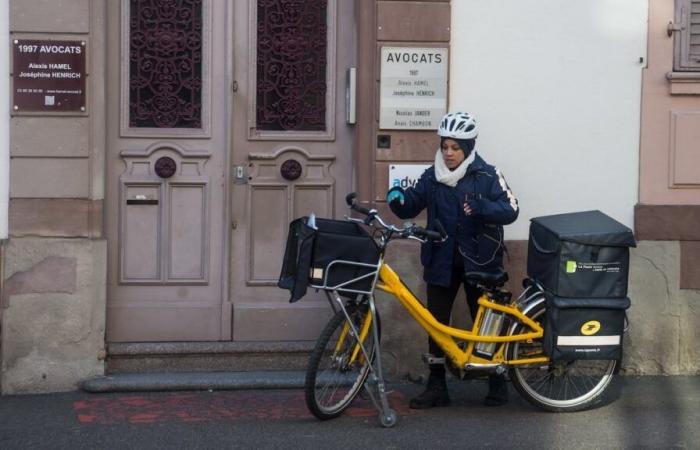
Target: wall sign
[(405, 175), (48, 75), (413, 88)]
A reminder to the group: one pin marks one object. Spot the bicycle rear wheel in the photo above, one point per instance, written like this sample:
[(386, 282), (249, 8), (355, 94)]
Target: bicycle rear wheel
[(337, 368), (560, 386)]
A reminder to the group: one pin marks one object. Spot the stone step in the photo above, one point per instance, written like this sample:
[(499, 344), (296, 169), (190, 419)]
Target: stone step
[(194, 381), (170, 357)]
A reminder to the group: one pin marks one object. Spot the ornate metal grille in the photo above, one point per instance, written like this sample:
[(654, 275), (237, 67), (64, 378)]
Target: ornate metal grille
[(291, 66), (165, 53)]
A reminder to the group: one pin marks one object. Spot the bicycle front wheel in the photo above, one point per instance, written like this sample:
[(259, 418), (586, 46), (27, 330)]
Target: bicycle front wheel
[(560, 386), (337, 367)]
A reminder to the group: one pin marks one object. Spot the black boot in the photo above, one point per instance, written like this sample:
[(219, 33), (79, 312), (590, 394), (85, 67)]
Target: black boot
[(498, 391), (435, 393)]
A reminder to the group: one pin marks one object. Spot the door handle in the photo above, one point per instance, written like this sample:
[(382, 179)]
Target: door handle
[(350, 95), (239, 175)]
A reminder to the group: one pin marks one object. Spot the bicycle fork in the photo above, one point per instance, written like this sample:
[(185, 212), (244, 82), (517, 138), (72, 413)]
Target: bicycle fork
[(387, 416)]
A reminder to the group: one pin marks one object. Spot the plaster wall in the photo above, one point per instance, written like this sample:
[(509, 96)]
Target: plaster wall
[(52, 303), (664, 319), (556, 91), (53, 309)]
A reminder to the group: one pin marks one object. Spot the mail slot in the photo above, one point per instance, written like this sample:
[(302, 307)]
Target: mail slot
[(141, 201)]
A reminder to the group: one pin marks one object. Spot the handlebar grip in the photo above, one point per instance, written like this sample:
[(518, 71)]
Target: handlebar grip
[(434, 235), (350, 200), (429, 234)]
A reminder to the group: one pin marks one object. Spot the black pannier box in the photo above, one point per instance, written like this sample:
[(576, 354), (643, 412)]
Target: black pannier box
[(584, 328), (310, 250), (582, 254)]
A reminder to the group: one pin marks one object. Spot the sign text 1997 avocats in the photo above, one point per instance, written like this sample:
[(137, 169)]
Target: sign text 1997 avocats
[(48, 76)]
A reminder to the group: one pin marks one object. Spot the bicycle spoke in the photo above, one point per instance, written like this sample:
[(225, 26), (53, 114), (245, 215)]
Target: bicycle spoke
[(333, 382), (559, 386)]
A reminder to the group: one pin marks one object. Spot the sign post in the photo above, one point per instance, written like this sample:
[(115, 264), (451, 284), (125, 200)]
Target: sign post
[(413, 88)]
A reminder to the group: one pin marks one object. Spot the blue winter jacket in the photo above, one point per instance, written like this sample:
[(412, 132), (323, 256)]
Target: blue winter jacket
[(478, 238)]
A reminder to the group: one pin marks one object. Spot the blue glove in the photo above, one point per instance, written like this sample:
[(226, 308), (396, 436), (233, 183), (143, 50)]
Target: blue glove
[(475, 206), (395, 195)]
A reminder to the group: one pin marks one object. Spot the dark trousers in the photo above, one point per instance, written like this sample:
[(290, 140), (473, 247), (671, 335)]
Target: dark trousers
[(440, 301)]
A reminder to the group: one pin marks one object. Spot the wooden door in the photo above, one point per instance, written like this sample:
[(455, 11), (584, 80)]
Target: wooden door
[(292, 150), (168, 124)]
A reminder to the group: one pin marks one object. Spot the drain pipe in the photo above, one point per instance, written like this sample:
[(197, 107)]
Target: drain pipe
[(4, 145), (4, 120), (4, 138)]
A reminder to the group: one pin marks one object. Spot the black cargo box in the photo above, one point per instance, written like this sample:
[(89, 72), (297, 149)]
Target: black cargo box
[(584, 328), (582, 254), (311, 250)]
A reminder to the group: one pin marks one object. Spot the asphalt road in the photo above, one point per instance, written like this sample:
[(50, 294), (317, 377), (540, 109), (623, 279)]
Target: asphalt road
[(644, 412)]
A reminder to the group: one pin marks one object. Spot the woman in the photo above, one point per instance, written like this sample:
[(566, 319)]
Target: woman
[(472, 201)]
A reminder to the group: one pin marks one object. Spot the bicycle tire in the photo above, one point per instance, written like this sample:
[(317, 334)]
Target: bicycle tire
[(560, 386), (328, 375)]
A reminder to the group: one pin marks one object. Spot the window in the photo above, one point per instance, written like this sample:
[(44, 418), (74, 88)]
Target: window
[(687, 36), (165, 64), (291, 65)]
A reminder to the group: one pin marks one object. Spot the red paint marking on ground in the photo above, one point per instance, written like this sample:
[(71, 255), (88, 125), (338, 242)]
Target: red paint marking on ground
[(216, 406)]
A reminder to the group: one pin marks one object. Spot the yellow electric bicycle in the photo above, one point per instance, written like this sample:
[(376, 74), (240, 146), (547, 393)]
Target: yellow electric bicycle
[(506, 335)]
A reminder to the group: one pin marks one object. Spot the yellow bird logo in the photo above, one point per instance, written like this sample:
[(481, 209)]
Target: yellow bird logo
[(590, 328)]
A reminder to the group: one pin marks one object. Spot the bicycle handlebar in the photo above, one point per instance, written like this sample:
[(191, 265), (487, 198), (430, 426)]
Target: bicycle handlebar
[(350, 200), (412, 231), (428, 234)]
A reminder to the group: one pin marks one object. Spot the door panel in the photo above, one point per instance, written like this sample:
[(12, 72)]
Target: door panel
[(167, 172), (295, 164)]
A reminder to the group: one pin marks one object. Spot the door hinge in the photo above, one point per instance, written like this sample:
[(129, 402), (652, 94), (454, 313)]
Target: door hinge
[(674, 26), (680, 25)]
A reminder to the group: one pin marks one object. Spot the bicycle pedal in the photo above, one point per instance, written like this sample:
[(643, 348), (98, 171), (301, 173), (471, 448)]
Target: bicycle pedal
[(429, 359)]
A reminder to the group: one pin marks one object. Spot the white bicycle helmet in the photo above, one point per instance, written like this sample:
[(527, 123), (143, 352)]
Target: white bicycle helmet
[(458, 125)]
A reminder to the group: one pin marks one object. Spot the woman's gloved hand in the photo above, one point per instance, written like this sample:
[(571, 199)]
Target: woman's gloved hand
[(473, 207), (395, 195)]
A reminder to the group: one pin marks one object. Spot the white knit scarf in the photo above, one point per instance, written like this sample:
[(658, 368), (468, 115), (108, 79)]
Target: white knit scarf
[(447, 176)]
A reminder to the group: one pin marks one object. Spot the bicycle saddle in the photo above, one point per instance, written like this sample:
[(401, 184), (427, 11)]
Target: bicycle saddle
[(490, 280)]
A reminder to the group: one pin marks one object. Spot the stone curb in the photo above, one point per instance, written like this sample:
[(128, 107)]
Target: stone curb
[(194, 381)]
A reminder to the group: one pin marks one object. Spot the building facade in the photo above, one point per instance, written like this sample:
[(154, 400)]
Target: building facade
[(148, 206)]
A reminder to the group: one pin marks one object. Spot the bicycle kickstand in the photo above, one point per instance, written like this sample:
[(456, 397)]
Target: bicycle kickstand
[(387, 416)]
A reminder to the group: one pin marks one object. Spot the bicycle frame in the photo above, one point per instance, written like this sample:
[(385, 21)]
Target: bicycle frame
[(445, 336)]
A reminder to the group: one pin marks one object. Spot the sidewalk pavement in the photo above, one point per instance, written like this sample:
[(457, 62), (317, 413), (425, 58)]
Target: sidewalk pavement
[(638, 412)]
